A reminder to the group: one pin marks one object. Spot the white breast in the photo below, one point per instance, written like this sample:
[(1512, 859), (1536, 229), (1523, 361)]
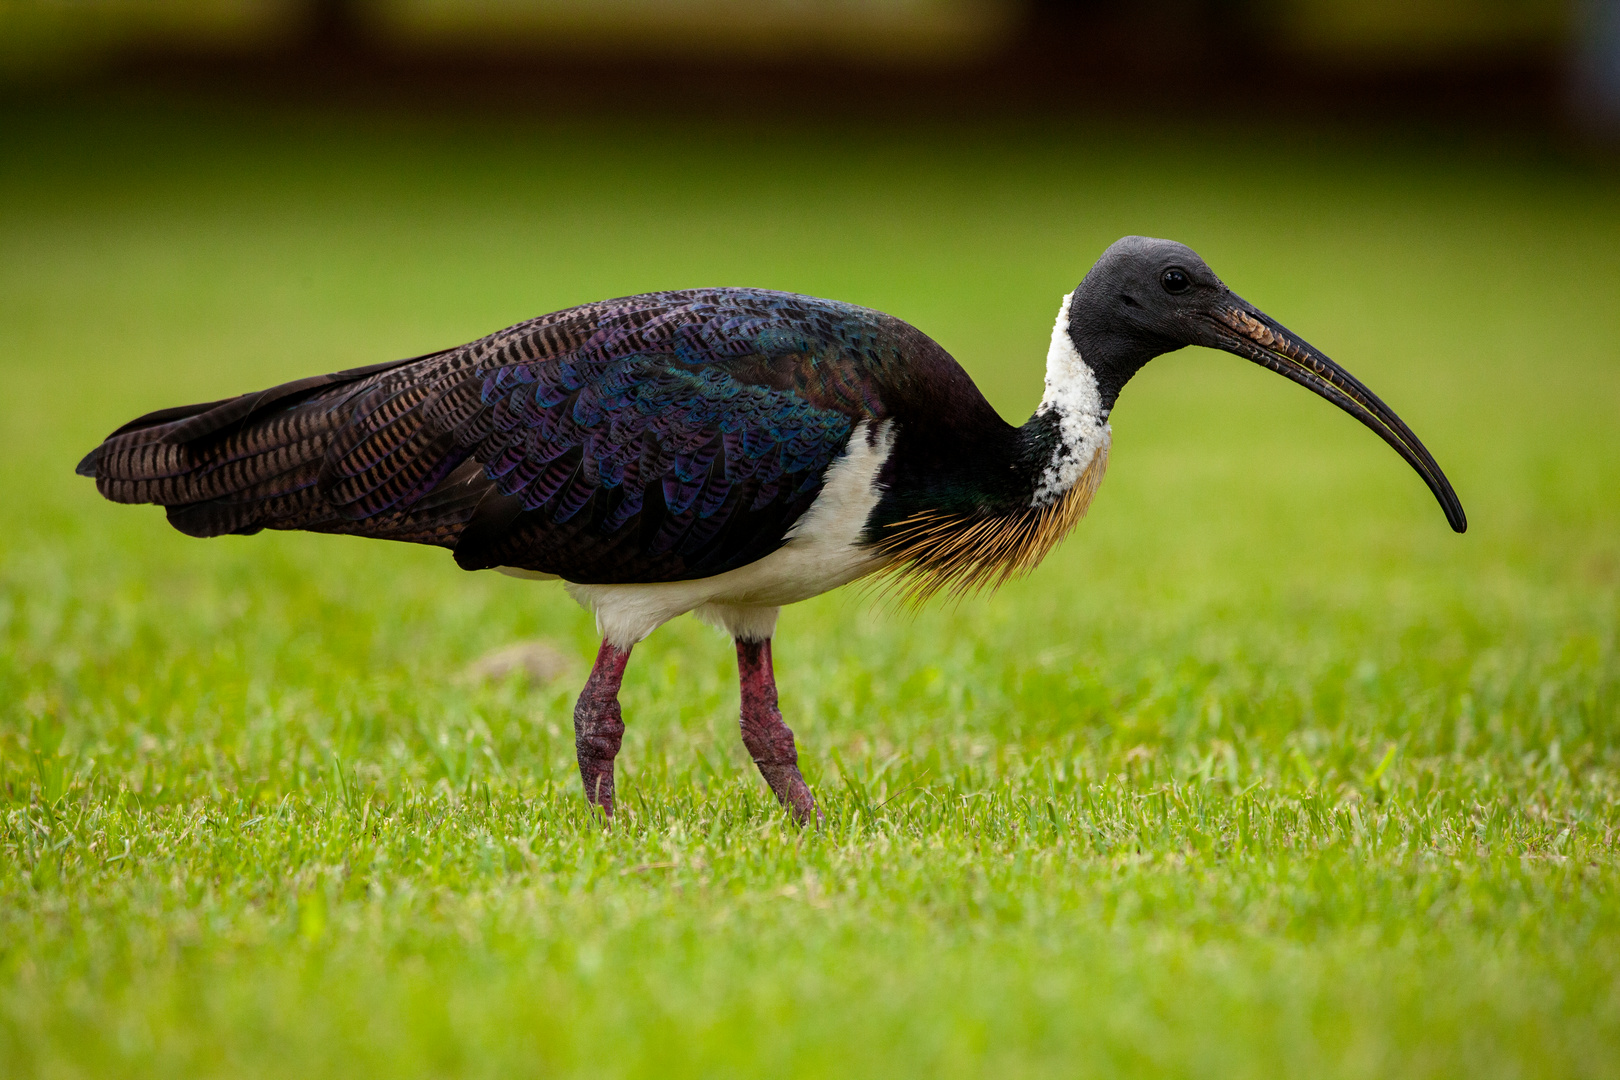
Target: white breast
[(822, 552)]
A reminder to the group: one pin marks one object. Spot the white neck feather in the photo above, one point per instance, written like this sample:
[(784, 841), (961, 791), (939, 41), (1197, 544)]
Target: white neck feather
[(1071, 393)]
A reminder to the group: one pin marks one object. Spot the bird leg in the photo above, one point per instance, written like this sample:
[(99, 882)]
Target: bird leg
[(769, 740), (599, 727)]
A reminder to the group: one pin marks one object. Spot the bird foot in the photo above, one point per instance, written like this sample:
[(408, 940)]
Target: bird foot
[(791, 790), (599, 726), (766, 735)]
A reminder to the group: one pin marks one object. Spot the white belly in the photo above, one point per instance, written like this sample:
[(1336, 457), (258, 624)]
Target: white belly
[(822, 552)]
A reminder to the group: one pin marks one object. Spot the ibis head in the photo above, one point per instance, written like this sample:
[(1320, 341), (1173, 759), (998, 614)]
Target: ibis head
[(1146, 297)]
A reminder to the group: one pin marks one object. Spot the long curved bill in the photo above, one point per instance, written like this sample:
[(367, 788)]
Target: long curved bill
[(1252, 334)]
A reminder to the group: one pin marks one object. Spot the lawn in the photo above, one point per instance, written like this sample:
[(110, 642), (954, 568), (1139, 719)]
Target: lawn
[(1264, 773)]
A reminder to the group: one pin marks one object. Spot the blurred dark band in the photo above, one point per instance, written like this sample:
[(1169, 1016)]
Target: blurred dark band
[(1552, 64)]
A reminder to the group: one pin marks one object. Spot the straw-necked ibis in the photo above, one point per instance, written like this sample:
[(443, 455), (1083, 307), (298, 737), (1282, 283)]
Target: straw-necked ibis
[(717, 451)]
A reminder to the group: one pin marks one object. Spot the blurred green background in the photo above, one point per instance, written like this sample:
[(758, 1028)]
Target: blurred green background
[(1264, 772)]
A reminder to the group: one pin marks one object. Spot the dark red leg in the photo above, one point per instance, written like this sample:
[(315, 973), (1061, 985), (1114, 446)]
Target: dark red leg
[(768, 738), (598, 726)]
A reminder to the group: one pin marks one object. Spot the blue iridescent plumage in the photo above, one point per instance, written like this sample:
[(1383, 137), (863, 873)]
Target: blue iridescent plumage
[(651, 438)]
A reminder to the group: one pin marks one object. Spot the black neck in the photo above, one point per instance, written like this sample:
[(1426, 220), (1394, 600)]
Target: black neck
[(977, 465), (1112, 352), (994, 474)]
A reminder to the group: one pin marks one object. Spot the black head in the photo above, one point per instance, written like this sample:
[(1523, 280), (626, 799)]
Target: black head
[(1139, 301), (1146, 297)]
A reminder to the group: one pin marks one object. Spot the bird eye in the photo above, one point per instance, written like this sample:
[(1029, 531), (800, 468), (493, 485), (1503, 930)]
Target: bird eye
[(1175, 280)]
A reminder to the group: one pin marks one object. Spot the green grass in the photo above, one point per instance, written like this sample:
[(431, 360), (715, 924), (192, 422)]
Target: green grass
[(1263, 774)]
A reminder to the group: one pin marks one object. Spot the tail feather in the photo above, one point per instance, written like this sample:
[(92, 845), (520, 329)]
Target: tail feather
[(264, 460)]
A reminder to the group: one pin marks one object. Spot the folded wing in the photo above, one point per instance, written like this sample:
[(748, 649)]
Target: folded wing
[(654, 438)]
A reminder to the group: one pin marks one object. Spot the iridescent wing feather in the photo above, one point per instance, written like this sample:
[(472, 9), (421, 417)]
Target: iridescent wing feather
[(653, 438)]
